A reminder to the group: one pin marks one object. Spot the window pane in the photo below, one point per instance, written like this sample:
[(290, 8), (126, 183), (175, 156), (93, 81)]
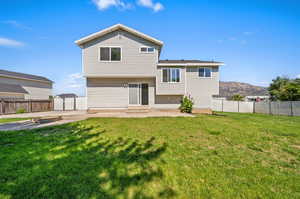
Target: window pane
[(207, 72), (144, 49), (115, 54), (177, 79), (150, 50), (104, 54), (165, 75), (173, 79), (201, 72)]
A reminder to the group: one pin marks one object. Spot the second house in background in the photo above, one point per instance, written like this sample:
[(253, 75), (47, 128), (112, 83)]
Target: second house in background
[(122, 69)]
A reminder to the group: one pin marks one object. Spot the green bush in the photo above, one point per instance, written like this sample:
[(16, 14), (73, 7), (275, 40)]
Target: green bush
[(186, 105), (21, 110)]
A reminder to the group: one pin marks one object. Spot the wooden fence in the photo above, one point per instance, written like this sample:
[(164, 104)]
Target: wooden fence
[(17, 105)]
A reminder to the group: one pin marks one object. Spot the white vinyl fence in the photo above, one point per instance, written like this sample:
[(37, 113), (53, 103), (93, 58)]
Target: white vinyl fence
[(68, 104), (291, 108)]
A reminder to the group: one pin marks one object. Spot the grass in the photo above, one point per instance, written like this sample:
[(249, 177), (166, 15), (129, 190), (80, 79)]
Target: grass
[(6, 120), (219, 156)]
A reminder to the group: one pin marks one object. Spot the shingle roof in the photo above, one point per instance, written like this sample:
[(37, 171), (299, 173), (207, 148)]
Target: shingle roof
[(183, 61), (12, 88), (23, 76)]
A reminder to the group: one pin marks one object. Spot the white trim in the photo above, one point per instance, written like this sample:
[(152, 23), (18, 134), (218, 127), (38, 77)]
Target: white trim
[(161, 80), (114, 28), (147, 52), (190, 64), (110, 47), (211, 71)]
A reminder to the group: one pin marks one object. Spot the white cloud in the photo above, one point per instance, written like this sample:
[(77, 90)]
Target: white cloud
[(150, 4), (298, 76), (105, 4), (75, 80), (247, 33), (16, 24), (10, 43), (72, 83)]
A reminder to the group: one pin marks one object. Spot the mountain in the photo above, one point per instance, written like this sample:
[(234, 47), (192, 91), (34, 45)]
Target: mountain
[(228, 89)]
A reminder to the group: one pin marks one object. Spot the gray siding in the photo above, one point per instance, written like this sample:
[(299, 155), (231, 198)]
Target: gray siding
[(113, 92), (166, 88), (36, 89), (133, 63), (202, 89)]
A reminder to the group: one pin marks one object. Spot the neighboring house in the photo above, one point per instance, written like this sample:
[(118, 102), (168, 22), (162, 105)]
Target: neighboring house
[(24, 86), (257, 98), (122, 69)]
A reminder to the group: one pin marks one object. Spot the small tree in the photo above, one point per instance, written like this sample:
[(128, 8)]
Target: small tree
[(237, 97), (186, 105), (285, 89)]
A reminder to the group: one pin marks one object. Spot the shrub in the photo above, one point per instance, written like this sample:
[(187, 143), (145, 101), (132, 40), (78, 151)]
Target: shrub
[(21, 110), (186, 105)]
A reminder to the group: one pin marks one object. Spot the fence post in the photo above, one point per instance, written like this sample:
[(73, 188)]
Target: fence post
[(270, 111), (254, 107), (2, 107), (74, 103), (63, 104), (238, 106), (222, 105), (292, 113)]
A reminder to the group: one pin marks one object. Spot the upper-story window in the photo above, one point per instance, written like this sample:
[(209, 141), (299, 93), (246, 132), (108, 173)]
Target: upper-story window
[(110, 54), (205, 72), (147, 49), (171, 75)]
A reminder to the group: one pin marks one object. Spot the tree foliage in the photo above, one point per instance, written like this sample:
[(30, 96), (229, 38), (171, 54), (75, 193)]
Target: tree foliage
[(237, 97), (285, 89)]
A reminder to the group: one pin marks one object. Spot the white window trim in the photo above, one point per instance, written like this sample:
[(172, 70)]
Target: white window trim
[(109, 61), (211, 71), (147, 50), (162, 76)]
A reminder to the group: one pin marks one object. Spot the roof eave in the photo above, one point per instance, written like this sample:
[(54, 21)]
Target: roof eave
[(191, 64), (90, 37)]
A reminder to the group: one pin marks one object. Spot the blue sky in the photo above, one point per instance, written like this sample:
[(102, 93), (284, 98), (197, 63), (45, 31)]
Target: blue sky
[(257, 39)]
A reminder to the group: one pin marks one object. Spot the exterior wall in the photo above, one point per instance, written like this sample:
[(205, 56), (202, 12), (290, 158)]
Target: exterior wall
[(167, 88), (114, 92), (167, 101), (36, 89), (202, 89), (133, 63)]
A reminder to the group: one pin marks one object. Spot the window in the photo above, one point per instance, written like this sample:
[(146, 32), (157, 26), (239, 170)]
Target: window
[(147, 49), (204, 72), (110, 54), (171, 75)]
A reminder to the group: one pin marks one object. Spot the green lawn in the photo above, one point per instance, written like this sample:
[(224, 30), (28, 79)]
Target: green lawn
[(216, 156), (5, 120)]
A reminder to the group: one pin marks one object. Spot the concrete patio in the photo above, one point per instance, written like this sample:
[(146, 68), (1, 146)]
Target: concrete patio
[(73, 116)]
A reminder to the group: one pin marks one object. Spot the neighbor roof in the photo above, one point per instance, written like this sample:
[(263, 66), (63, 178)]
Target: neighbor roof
[(188, 62), (5, 73), (12, 88), (114, 28), (67, 95)]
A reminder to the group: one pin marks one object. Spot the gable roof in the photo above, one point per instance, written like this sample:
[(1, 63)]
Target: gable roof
[(12, 88), (174, 62), (114, 28), (6, 73)]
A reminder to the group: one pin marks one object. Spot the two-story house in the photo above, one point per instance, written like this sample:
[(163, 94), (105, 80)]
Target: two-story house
[(122, 69)]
